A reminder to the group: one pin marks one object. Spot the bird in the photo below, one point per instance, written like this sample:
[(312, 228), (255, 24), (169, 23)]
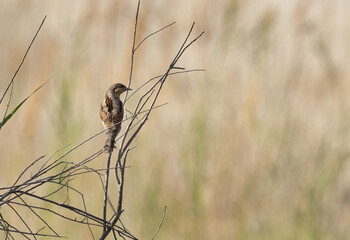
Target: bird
[(112, 113)]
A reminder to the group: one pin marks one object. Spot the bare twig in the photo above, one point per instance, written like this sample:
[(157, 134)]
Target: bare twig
[(106, 192), (22, 220), (15, 230), (133, 48), (159, 76), (42, 220), (150, 35), (160, 225)]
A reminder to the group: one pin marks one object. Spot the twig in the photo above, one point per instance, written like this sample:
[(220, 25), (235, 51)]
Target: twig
[(159, 76), (28, 233), (106, 192), (150, 35), (25, 204), (22, 220), (29, 166), (160, 225), (133, 48)]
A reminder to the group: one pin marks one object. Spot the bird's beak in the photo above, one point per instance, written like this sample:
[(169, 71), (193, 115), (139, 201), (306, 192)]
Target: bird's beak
[(127, 89)]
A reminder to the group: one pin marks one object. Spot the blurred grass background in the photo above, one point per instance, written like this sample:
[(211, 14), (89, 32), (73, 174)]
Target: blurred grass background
[(257, 147)]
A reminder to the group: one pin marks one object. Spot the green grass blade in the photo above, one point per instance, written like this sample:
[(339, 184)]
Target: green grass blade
[(19, 105)]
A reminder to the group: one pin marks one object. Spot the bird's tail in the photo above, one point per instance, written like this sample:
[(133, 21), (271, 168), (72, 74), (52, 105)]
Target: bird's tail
[(110, 139)]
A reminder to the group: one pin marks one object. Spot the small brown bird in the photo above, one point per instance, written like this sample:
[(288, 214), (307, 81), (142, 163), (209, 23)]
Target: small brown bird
[(111, 114)]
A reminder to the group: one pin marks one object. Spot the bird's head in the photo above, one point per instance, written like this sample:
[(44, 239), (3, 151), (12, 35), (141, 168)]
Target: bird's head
[(118, 89)]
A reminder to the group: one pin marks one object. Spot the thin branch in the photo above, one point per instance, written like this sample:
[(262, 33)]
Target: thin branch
[(8, 230), (28, 233), (133, 48), (106, 192), (74, 209), (25, 204), (159, 76), (160, 225), (150, 35), (138, 108), (55, 213), (29, 166), (22, 220), (120, 199)]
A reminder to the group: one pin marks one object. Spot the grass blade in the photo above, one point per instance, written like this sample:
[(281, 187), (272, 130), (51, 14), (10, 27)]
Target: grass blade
[(18, 106)]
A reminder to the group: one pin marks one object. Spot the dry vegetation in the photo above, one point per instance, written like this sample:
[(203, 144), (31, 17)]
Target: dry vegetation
[(257, 147)]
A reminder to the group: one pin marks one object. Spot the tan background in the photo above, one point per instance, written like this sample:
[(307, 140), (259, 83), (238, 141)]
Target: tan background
[(257, 147)]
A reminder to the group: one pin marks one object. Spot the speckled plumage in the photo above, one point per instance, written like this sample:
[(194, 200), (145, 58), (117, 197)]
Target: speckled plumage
[(111, 114)]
